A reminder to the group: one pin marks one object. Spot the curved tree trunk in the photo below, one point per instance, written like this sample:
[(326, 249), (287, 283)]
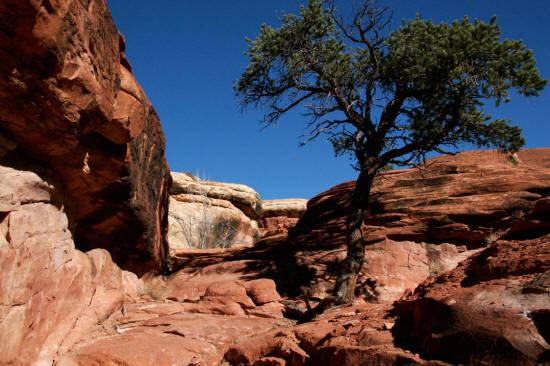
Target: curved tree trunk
[(344, 290)]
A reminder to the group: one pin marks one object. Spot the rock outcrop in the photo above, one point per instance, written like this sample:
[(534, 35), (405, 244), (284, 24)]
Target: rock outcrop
[(458, 263), (492, 309), (469, 200), (462, 199), (243, 197), (281, 215), (206, 214), (68, 100), (226, 306), (51, 295), (82, 168)]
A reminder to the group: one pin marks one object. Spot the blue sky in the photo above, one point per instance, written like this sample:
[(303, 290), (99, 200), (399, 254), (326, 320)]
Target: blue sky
[(186, 55)]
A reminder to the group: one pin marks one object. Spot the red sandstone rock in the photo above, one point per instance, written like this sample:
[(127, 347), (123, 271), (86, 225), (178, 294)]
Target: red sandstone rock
[(189, 332), (68, 99), (262, 291), (488, 310), (455, 199), (281, 215), (276, 225), (51, 294)]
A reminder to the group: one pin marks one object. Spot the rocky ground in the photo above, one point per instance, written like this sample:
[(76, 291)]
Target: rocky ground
[(435, 303), (458, 268)]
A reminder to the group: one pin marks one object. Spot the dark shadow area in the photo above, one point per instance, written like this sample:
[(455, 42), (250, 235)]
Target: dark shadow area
[(19, 160), (273, 259), (433, 330)]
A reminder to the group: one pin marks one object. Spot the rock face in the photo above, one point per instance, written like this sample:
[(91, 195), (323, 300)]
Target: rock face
[(199, 314), (206, 214), (469, 200), (492, 309), (244, 198), (51, 294), (289, 207), (281, 215), (462, 199), (68, 99), (226, 306)]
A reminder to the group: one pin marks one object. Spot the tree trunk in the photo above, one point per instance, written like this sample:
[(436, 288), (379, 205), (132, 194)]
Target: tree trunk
[(344, 290)]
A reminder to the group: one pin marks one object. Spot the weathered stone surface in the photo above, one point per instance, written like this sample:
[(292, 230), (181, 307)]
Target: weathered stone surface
[(181, 329), (281, 215), (51, 295), (392, 268), (262, 291), (288, 207), (200, 222), (170, 339), (276, 225), (489, 310), (244, 198), (458, 199), (355, 335), (205, 214), (69, 100)]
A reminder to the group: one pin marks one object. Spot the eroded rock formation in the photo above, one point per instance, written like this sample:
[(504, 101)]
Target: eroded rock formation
[(51, 295), (206, 214), (469, 200), (68, 100), (82, 167), (458, 199), (493, 308), (281, 215)]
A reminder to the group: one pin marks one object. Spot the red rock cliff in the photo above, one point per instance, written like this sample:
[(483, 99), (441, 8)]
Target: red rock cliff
[(68, 99)]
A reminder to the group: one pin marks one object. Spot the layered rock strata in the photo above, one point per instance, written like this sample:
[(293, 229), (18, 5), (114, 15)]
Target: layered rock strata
[(467, 199), (493, 308), (281, 215), (206, 214), (68, 99)]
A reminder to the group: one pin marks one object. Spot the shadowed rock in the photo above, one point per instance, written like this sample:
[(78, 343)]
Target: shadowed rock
[(68, 99)]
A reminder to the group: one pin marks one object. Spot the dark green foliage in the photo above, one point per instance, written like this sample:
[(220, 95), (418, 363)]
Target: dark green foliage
[(388, 96)]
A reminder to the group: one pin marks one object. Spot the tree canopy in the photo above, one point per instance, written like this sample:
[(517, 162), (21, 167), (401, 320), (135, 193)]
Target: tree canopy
[(395, 95)]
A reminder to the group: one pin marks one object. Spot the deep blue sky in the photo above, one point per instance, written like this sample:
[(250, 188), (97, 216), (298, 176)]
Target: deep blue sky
[(186, 55)]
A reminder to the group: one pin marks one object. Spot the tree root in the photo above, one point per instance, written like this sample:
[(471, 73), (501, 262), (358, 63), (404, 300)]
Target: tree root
[(295, 311)]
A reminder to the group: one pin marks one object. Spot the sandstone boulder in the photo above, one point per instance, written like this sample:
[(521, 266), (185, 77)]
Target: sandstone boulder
[(68, 99), (205, 214), (201, 222), (288, 207)]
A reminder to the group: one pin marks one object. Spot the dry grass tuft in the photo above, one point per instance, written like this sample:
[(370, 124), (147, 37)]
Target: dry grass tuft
[(154, 287)]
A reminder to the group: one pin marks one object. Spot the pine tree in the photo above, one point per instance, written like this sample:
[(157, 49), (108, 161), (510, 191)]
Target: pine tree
[(386, 97)]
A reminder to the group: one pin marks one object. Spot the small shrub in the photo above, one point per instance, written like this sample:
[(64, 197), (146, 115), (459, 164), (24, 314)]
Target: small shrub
[(154, 287), (434, 268), (205, 230), (491, 238)]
